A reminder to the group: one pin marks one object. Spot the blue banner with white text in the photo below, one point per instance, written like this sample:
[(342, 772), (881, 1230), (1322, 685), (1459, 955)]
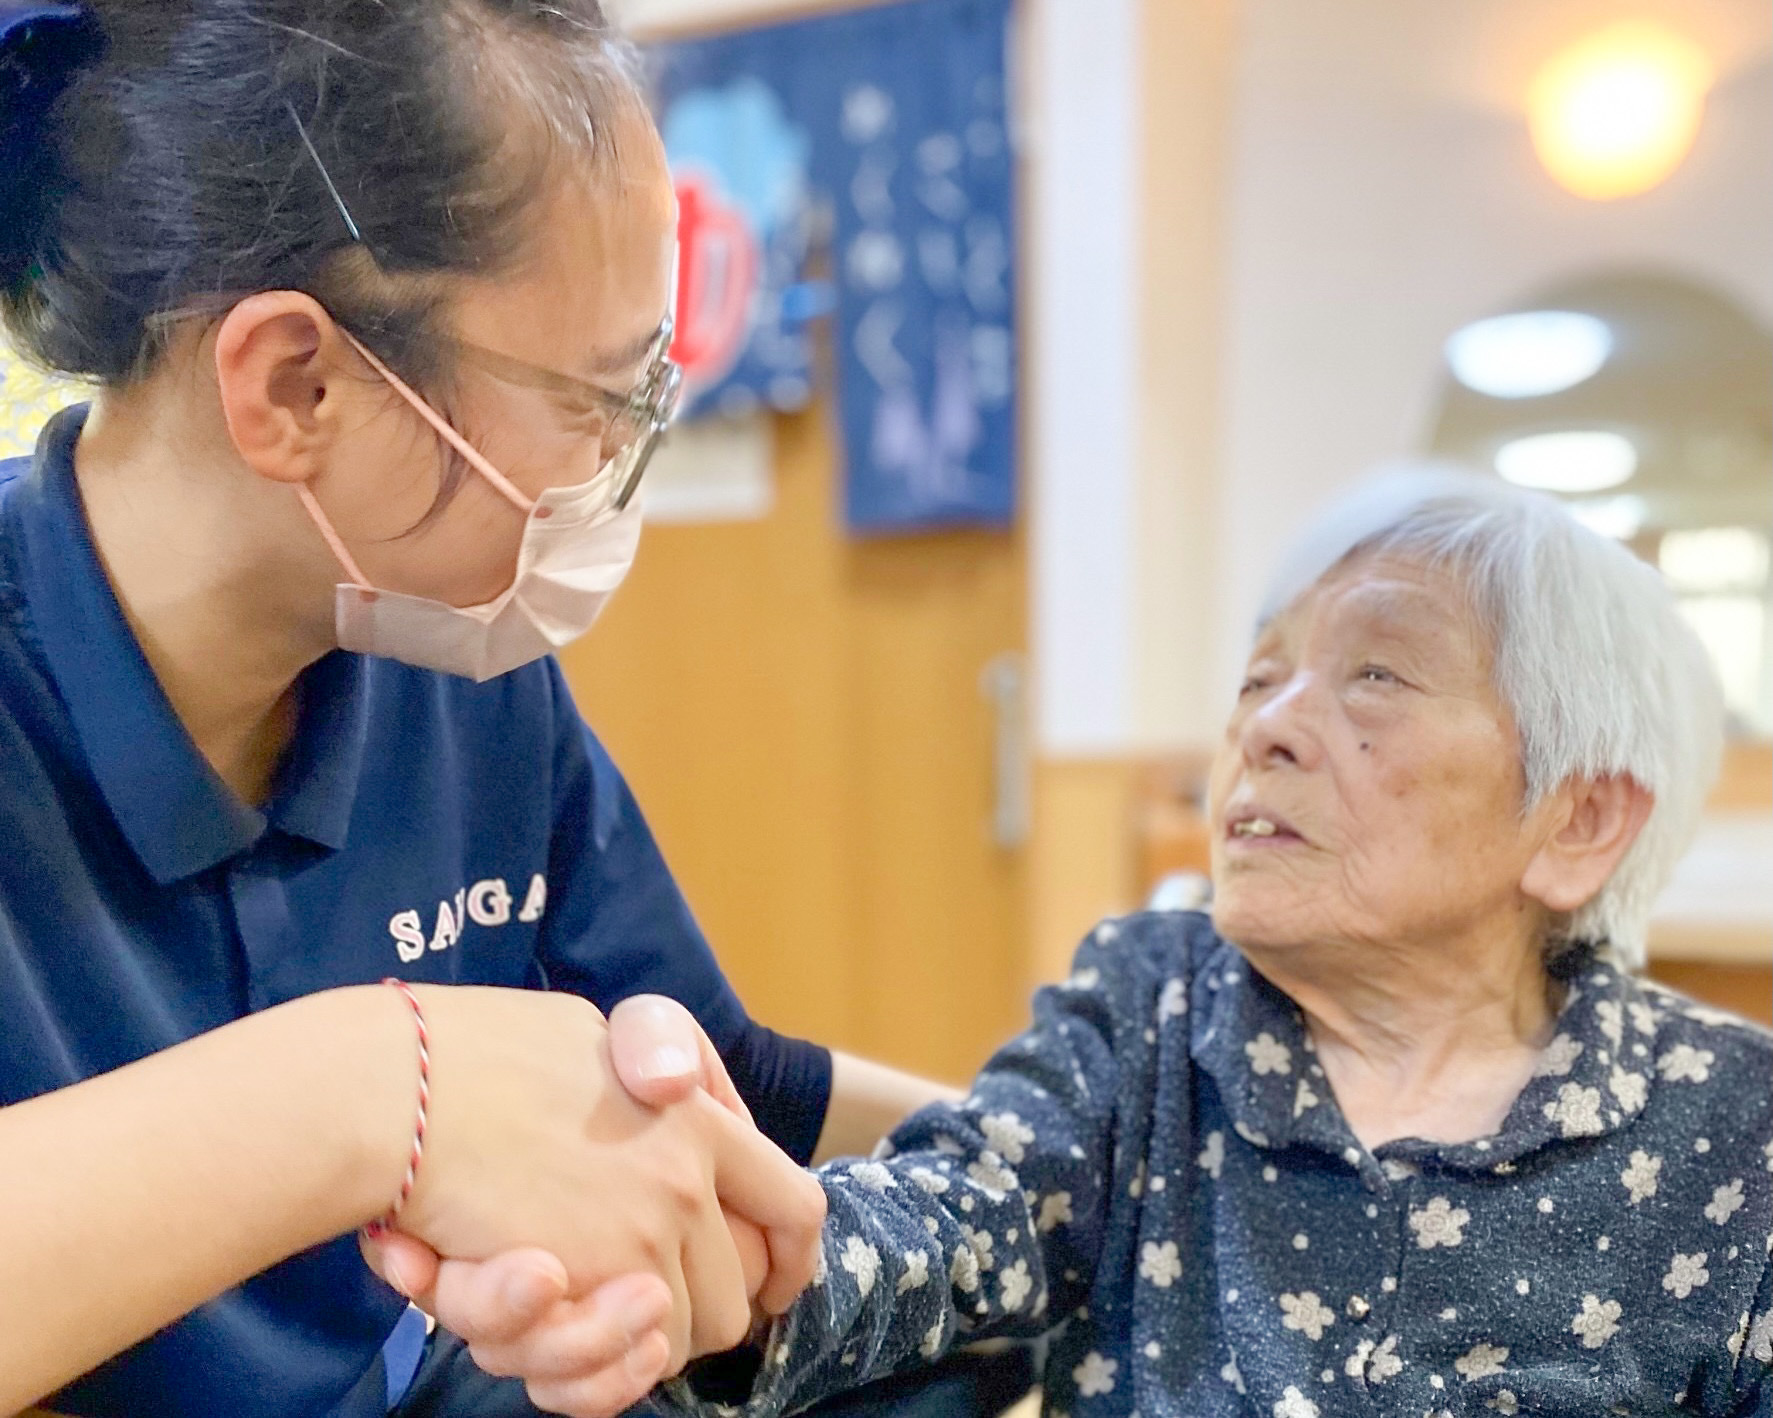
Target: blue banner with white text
[(859, 166)]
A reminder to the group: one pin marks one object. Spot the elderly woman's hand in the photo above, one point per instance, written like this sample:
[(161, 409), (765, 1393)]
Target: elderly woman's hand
[(594, 1354)]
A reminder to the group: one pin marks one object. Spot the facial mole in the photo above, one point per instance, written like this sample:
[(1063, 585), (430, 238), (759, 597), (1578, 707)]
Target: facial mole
[(1366, 747)]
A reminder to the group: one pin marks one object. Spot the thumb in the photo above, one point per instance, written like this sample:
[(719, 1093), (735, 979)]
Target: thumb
[(404, 1262), (662, 1056)]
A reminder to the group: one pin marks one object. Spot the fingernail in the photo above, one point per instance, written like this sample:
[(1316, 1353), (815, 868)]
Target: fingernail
[(668, 1061)]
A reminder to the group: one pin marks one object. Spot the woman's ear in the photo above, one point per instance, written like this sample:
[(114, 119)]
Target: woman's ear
[(1594, 824), (277, 363)]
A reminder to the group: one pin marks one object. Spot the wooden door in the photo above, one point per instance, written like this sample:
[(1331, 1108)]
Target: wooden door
[(802, 718)]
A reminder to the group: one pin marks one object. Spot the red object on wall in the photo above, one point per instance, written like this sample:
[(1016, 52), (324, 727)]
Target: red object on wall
[(716, 281)]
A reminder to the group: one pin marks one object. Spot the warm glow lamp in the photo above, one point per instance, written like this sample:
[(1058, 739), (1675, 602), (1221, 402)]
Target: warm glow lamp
[(1614, 114)]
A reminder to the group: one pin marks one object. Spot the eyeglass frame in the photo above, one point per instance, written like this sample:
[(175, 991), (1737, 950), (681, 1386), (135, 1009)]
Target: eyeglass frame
[(651, 402)]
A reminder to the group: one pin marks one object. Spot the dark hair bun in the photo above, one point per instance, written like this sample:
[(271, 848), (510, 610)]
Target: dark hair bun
[(42, 48)]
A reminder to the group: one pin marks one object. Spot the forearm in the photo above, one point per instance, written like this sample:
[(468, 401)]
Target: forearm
[(133, 1197), (920, 1252), (869, 1100), (986, 1221)]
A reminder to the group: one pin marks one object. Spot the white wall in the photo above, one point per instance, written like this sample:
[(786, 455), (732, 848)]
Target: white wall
[(1080, 384), (1384, 193)]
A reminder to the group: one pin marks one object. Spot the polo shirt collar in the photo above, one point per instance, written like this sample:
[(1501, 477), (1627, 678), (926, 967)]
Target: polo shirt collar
[(176, 812)]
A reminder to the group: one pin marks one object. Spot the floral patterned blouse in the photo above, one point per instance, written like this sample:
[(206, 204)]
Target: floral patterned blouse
[(1156, 1174)]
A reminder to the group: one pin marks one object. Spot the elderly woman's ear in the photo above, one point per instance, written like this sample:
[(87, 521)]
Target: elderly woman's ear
[(1589, 826)]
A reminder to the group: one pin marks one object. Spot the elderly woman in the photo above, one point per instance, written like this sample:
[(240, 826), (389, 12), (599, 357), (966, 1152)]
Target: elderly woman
[(1397, 1129)]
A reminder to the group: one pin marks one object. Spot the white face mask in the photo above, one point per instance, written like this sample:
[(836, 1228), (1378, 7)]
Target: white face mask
[(577, 546)]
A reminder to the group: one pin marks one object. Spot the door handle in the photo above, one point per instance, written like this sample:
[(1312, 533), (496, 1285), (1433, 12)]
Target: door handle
[(1004, 682)]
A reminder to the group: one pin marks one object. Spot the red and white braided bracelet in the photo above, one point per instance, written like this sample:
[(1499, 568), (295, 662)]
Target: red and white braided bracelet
[(377, 1227)]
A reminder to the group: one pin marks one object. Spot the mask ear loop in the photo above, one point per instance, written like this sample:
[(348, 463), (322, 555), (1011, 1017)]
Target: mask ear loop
[(455, 440), (333, 539), (473, 455)]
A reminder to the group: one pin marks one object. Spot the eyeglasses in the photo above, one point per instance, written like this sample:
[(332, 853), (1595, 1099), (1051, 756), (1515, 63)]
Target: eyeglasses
[(627, 426)]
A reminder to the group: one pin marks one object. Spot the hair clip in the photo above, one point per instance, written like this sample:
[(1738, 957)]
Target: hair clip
[(325, 176)]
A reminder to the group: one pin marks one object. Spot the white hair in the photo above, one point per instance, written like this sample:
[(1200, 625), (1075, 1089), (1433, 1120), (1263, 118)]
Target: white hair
[(1593, 660)]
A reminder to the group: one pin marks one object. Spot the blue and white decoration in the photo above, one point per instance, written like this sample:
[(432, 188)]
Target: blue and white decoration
[(858, 164)]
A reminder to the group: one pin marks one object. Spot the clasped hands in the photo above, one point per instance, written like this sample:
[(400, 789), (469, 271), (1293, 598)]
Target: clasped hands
[(697, 1228)]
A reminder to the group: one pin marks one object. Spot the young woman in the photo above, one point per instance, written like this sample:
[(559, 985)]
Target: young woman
[(377, 297)]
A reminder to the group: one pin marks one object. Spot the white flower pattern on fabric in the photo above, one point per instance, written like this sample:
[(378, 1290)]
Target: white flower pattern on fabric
[(917, 1272), (996, 1180), (1212, 1156), (1055, 1211), (1306, 1313), (979, 1240), (1008, 1135), (1294, 1404), (1398, 1170), (1760, 1339), (1598, 1321), (862, 1261), (1160, 1263), (1726, 1201), (1577, 1111), (1641, 1176), (1385, 1363), (1375, 1364), (1612, 1020), (1481, 1360), (873, 1176), (1686, 1064), (1095, 1375), (1173, 1002), (963, 1270), (1440, 1223), (1686, 1274), (1559, 1057), (1014, 1286), (1631, 1089), (930, 1181), (1268, 1055)]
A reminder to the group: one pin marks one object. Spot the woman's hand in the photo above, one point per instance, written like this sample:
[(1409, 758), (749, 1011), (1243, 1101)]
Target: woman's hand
[(533, 1142), (592, 1355)]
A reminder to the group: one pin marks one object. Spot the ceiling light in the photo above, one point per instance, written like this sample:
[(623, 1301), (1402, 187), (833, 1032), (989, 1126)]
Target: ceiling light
[(1614, 114), (1586, 460), (1716, 559), (1531, 353), (1620, 517)]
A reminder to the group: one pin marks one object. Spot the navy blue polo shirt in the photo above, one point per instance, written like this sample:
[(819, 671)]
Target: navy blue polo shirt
[(420, 825)]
